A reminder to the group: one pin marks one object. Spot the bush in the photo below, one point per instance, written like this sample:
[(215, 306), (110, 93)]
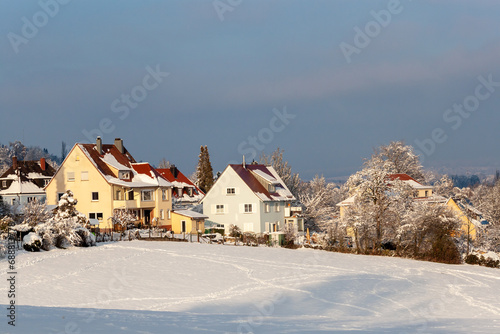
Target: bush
[(444, 250), (32, 242), (471, 259)]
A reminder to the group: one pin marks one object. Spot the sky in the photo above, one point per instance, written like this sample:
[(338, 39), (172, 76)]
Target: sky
[(326, 81)]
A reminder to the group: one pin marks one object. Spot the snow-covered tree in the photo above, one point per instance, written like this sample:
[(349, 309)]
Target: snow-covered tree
[(122, 218), (319, 200), (378, 201), (444, 187), (5, 209), (284, 170), (65, 228), (400, 159), (204, 171), (426, 231), (164, 163)]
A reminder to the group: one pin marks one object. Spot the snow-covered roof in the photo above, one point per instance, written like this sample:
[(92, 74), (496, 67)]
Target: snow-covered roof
[(143, 175), (260, 189), (25, 187), (191, 214), (347, 201)]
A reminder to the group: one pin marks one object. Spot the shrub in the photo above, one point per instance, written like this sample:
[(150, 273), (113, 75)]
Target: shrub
[(444, 250), (32, 242), (471, 259)]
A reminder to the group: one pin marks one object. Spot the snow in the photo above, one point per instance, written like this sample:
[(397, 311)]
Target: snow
[(111, 160), (31, 238), (265, 176), (170, 287), (191, 214), (22, 188)]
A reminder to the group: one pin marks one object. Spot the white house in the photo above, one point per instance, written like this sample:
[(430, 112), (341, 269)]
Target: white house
[(252, 197)]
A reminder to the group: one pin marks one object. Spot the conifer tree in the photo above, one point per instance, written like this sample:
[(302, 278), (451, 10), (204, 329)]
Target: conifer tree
[(204, 171)]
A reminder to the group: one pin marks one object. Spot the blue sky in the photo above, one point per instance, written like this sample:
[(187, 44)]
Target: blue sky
[(227, 76)]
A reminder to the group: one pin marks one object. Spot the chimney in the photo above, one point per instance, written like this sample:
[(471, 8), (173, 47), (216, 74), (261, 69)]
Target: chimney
[(98, 145), (174, 171), (119, 145), (244, 164), (14, 163), (42, 163)]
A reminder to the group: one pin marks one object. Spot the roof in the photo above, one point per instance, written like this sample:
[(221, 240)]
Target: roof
[(181, 181), (409, 180), (143, 175), (250, 175), (23, 187), (31, 169), (190, 214)]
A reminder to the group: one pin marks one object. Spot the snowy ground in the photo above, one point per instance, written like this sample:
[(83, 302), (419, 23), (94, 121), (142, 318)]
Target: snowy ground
[(167, 287)]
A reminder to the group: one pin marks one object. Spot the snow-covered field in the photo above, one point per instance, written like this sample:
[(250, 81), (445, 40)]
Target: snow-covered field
[(166, 287)]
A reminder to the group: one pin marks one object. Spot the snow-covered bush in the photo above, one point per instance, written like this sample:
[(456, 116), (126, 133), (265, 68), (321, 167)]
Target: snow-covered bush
[(65, 228), (32, 242)]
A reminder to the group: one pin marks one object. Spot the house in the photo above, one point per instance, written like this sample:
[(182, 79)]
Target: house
[(105, 178), (24, 181), (186, 221), (472, 222), (252, 197), (185, 193)]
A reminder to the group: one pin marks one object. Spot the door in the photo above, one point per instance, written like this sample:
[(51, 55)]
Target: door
[(183, 226), (147, 217)]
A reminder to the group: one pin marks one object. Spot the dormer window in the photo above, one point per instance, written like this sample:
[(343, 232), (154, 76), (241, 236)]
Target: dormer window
[(190, 192), (124, 175), (271, 188)]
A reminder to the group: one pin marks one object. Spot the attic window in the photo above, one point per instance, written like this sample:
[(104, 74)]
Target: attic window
[(4, 184), (271, 188), (124, 175), (71, 176), (230, 191)]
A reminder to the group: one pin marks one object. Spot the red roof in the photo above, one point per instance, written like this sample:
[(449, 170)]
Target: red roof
[(402, 177), (167, 174), (125, 158)]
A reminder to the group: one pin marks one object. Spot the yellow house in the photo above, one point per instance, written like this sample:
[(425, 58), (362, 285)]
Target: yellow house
[(469, 216), (105, 178), (186, 221)]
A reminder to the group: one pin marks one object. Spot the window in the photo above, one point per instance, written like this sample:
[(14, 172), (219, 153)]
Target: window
[(426, 193), (164, 194), (183, 226), (190, 192), (162, 214), (95, 196), (118, 195), (268, 207), (31, 199), (219, 208), (124, 175), (84, 176), (95, 215), (147, 195), (230, 191), (168, 214), (271, 188), (277, 207), (59, 195), (179, 192), (71, 176), (45, 182), (130, 195), (248, 227), (4, 184), (248, 208), (13, 201)]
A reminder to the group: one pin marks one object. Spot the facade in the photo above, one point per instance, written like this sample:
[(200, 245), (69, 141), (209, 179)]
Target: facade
[(186, 221), (185, 194), (252, 197), (105, 178), (24, 181)]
